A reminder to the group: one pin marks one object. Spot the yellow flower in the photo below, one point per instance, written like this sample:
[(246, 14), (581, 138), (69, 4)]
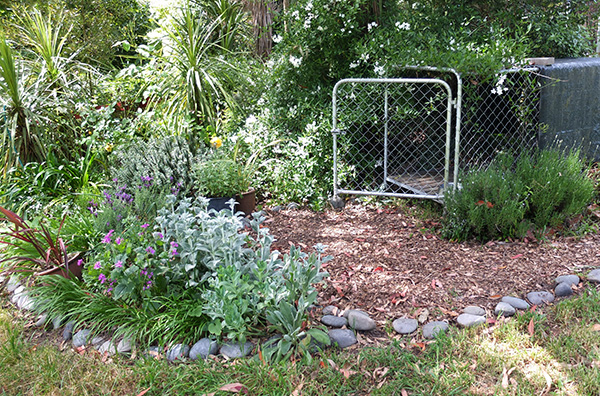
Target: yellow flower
[(216, 142), (108, 147)]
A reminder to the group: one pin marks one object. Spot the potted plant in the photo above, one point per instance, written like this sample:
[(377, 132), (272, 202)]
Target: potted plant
[(37, 251), (220, 179)]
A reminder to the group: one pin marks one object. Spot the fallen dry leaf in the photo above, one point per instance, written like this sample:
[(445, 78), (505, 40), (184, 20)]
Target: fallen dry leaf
[(530, 327), (142, 393), (596, 327)]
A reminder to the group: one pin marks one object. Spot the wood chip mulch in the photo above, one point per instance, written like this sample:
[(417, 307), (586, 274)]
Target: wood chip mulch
[(391, 263)]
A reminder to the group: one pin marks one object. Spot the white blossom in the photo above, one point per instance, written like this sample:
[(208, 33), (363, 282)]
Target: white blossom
[(371, 26), (296, 62), (403, 26), (277, 38)]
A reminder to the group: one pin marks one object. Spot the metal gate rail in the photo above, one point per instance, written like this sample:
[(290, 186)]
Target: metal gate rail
[(406, 187)]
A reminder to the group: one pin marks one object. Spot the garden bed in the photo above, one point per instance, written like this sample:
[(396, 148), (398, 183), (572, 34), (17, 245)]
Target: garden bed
[(390, 263)]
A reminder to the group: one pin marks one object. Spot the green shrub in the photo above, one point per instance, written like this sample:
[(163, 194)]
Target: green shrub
[(538, 190), (167, 161)]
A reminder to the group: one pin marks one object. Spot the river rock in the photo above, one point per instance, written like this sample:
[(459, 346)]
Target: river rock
[(80, 338), (358, 320), (470, 320), (177, 352), (568, 279), (26, 303), (13, 284), (473, 310), (124, 345), (517, 303), (233, 350), (97, 341), (203, 348), (41, 320), (330, 310), (343, 338), (563, 290), (594, 276), (334, 321), (405, 325), (108, 347), (292, 206), (68, 331), (539, 298), (504, 309), (56, 322), (431, 329)]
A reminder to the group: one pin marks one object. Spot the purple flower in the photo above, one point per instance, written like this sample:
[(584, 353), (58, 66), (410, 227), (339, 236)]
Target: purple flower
[(160, 235), (119, 264), (150, 250), (144, 226), (102, 278), (98, 265), (118, 240), (79, 262), (107, 237), (174, 252), (174, 244)]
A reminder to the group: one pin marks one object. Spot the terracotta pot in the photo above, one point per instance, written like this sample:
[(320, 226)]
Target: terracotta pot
[(74, 269), (247, 201)]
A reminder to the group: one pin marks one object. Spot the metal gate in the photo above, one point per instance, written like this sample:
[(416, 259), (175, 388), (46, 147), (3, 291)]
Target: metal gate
[(394, 137)]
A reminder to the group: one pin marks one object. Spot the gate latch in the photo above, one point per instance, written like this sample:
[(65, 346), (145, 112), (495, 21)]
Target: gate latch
[(338, 132)]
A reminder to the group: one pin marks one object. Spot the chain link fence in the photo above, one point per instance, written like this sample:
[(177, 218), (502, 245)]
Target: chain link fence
[(406, 137)]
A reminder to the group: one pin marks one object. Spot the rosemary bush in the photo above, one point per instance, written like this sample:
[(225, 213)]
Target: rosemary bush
[(539, 190)]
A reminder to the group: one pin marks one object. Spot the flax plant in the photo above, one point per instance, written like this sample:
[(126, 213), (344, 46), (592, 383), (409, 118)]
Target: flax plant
[(203, 77)]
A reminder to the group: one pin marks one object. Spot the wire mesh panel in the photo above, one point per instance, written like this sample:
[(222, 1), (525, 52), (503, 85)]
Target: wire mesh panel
[(392, 137), (500, 116)]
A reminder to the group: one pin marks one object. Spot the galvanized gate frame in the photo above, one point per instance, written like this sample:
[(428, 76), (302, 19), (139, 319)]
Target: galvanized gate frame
[(452, 104)]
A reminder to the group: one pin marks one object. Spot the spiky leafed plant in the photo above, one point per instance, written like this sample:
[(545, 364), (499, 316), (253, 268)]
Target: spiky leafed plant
[(232, 32), (20, 139), (203, 77)]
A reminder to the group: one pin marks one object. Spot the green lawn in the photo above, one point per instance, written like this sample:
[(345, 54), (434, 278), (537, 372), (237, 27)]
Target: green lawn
[(555, 352)]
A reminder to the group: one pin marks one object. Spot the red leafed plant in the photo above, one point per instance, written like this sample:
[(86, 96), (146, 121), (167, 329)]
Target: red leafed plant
[(51, 249)]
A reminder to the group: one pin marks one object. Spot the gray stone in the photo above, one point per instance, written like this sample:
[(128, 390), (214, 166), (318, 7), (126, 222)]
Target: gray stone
[(337, 202), (470, 320), (594, 276), (203, 348), (124, 345), (56, 322), (19, 289), (14, 298), (330, 310), (68, 331), (431, 329), (233, 350), (563, 290), (360, 321), (405, 325), (292, 206), (177, 352), (81, 338), (517, 303), (343, 338), (276, 208), (568, 279), (97, 341), (473, 310), (539, 298), (504, 309), (348, 311), (41, 321), (334, 321), (108, 347), (26, 303), (13, 284)]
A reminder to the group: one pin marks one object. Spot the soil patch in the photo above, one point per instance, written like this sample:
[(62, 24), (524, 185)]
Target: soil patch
[(390, 263)]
